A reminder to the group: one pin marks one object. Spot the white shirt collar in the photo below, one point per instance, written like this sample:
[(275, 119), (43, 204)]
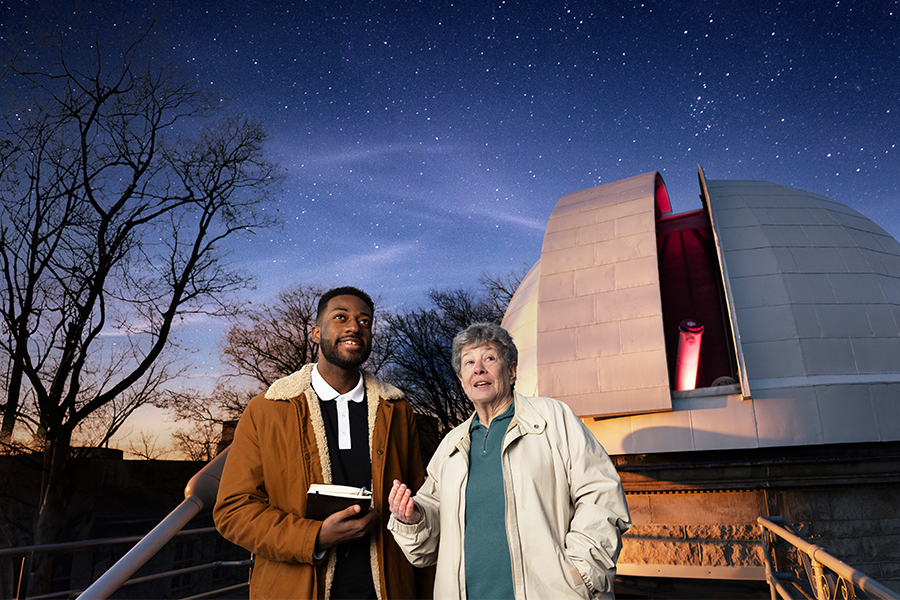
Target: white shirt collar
[(325, 392)]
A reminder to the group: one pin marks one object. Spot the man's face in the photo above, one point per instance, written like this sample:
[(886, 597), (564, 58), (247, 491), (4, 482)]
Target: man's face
[(344, 332)]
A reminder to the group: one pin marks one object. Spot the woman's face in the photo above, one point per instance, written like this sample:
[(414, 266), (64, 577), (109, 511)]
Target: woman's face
[(485, 376)]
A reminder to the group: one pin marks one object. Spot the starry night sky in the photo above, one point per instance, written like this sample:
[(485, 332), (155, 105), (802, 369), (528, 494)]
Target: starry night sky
[(426, 143)]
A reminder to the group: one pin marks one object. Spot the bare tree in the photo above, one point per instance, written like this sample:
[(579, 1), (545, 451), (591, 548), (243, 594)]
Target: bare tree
[(499, 289), (420, 363), (199, 442), (119, 192), (275, 340), (146, 446), (208, 418)]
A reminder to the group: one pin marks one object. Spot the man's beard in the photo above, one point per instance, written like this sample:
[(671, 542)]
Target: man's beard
[(330, 352)]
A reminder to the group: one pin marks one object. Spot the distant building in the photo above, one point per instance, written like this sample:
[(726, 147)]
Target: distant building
[(796, 407), (113, 498)]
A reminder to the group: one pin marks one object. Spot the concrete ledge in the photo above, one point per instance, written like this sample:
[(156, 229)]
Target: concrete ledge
[(691, 572)]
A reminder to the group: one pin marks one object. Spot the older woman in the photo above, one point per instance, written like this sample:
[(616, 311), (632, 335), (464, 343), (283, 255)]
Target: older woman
[(521, 500)]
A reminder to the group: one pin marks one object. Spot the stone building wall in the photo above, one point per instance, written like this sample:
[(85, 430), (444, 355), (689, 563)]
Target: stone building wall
[(700, 510), (714, 529)]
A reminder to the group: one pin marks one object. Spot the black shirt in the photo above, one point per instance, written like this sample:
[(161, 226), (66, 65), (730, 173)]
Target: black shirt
[(353, 572)]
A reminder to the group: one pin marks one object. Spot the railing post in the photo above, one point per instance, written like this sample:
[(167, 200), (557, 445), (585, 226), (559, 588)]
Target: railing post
[(24, 587), (819, 576)]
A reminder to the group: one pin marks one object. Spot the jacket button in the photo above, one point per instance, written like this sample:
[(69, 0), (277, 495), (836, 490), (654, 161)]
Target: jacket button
[(306, 456), (535, 426), (381, 452)]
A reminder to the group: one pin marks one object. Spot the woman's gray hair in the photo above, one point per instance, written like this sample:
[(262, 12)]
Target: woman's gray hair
[(478, 334)]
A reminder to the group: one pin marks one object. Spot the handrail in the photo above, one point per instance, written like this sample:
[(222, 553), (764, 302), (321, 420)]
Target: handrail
[(199, 493), (819, 558), (62, 546), (163, 575)]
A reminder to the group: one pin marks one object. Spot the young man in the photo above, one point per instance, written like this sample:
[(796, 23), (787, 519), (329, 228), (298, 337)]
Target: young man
[(330, 422)]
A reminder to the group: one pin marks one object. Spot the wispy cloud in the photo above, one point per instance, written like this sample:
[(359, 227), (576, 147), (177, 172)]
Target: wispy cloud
[(381, 255), (361, 154), (513, 219)]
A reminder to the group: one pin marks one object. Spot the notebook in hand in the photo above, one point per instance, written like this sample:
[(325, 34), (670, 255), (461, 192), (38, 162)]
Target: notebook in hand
[(324, 499)]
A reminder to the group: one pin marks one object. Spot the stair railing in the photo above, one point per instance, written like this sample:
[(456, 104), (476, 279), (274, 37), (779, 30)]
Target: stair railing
[(843, 581)]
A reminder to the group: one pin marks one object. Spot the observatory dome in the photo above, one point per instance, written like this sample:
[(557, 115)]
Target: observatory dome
[(798, 297)]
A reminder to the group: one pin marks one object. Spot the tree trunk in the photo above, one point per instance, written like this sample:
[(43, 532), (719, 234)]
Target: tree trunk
[(51, 521), (10, 411)]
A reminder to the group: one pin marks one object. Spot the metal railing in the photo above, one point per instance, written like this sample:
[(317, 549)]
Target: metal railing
[(200, 493), (842, 582), (26, 552)]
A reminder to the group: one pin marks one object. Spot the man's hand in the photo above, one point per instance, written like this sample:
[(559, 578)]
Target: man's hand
[(403, 507), (344, 526)]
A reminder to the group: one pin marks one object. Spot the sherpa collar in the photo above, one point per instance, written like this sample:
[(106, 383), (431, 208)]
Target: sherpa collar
[(301, 382)]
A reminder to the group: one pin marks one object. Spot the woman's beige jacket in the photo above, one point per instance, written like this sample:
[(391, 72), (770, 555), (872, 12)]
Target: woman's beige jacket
[(565, 507)]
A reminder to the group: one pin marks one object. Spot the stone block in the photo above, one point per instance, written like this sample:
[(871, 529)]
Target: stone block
[(632, 550), (880, 502), (805, 288), (774, 359), (563, 314), (730, 555), (637, 272), (639, 509), (759, 290), (556, 346), (620, 249), (844, 320), (649, 531), (883, 548), (570, 220), (595, 340), (723, 532), (566, 378), (849, 529), (641, 335), (854, 288), (799, 506), (557, 286), (568, 259), (595, 280), (660, 553), (630, 371), (721, 508), (630, 303), (876, 355), (591, 234), (889, 572), (635, 224), (766, 323), (849, 550), (559, 240)]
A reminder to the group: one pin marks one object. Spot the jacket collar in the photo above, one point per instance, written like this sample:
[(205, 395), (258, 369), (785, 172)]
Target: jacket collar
[(526, 421), (301, 382), (325, 392), (527, 418)]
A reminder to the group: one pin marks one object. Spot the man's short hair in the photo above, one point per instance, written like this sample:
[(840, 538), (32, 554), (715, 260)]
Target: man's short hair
[(346, 290), (478, 334)]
